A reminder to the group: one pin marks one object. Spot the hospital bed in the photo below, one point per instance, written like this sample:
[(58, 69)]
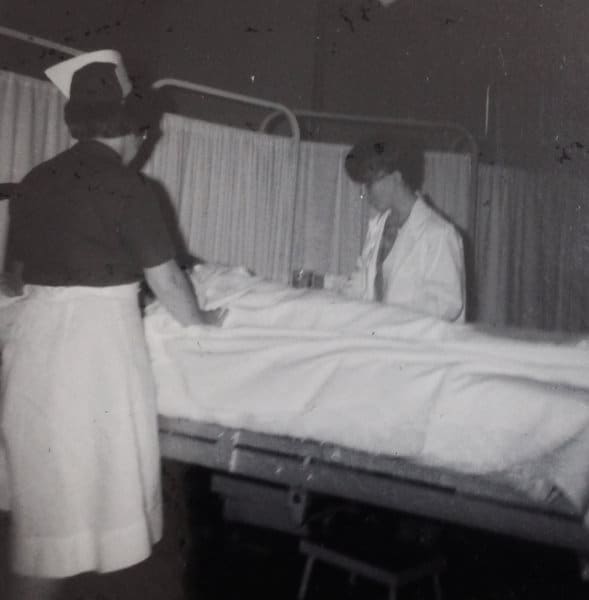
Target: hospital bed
[(273, 477), (266, 429), (293, 468)]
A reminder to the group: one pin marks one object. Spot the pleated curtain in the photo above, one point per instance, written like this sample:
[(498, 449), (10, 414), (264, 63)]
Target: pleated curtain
[(233, 192), (264, 202)]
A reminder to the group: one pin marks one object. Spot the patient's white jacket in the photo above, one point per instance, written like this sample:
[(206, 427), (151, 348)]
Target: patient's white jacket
[(424, 270)]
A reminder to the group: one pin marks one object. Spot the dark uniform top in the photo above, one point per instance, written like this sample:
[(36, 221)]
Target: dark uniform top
[(83, 218)]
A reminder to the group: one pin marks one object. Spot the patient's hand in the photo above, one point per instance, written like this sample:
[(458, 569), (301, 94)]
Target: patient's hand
[(213, 317)]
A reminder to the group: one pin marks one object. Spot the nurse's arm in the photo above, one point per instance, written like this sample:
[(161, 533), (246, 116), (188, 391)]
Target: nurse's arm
[(173, 289)]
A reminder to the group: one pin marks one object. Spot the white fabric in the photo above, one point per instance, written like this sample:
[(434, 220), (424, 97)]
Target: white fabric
[(532, 248), (424, 270), (62, 73), (377, 378), (79, 422), (233, 191), (359, 284), (9, 309)]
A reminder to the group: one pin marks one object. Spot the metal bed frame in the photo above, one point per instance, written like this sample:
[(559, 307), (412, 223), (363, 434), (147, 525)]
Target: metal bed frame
[(302, 467)]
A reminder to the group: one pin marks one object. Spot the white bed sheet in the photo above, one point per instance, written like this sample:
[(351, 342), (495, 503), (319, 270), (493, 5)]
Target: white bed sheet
[(312, 365)]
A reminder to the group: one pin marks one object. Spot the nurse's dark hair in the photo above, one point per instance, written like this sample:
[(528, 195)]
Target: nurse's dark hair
[(371, 158), (139, 112), (106, 121)]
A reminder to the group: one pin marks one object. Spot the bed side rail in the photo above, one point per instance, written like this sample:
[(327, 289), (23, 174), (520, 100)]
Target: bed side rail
[(388, 483), (278, 109)]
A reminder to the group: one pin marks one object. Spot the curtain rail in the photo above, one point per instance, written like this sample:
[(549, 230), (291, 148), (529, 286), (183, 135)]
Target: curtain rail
[(416, 123), (279, 109), (38, 41)]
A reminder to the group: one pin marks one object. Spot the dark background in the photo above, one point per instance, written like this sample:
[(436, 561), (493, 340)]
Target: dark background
[(429, 59)]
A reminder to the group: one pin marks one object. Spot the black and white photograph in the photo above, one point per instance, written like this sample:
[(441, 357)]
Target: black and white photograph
[(294, 300)]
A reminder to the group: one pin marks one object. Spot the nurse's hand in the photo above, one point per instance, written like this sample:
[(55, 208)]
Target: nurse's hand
[(174, 290), (213, 317)]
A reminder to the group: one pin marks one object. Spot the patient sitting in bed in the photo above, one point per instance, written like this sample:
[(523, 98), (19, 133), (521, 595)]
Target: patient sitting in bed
[(412, 256)]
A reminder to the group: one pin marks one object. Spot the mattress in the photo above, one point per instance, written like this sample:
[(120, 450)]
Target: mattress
[(380, 380)]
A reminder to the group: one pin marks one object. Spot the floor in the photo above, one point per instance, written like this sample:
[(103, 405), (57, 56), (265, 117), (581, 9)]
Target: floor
[(157, 578), (480, 567), (228, 561)]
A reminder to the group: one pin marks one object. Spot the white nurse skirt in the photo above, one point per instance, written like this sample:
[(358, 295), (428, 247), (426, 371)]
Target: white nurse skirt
[(79, 422)]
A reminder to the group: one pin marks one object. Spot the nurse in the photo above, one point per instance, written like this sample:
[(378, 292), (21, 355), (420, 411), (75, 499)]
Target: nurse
[(78, 408), (412, 256)]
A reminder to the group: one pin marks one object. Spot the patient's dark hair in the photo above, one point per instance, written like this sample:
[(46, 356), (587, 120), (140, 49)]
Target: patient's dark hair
[(371, 158)]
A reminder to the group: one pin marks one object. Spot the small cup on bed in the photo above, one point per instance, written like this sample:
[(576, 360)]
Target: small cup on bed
[(301, 278), (305, 278)]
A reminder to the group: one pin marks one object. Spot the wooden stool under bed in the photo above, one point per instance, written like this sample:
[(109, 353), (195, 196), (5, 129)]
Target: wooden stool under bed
[(394, 579)]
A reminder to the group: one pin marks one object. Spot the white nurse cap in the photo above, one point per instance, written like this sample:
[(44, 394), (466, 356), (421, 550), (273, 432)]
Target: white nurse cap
[(62, 73)]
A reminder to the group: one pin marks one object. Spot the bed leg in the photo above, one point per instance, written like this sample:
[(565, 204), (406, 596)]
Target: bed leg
[(437, 587), (306, 576)]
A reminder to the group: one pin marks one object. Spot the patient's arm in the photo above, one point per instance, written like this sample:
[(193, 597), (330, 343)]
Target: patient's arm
[(173, 289)]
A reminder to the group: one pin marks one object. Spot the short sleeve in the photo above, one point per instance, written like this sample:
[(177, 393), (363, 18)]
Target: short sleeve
[(143, 227)]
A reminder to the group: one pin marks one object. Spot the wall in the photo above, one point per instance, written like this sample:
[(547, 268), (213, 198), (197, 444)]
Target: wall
[(262, 49), (419, 58), (425, 58)]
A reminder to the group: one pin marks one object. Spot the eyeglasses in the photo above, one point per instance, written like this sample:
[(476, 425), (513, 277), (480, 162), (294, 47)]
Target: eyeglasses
[(364, 192), (365, 189)]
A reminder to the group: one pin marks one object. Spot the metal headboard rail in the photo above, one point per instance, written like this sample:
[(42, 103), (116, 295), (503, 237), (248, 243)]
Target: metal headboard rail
[(279, 109), (414, 123), (472, 144)]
